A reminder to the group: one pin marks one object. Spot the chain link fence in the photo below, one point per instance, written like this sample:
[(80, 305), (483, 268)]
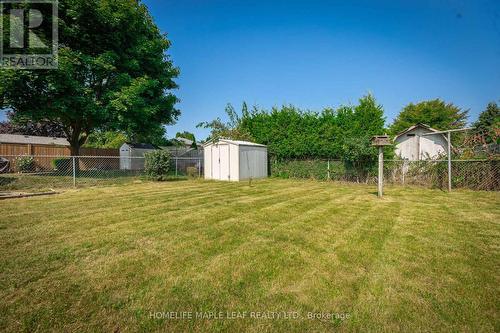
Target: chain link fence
[(469, 174), (27, 172)]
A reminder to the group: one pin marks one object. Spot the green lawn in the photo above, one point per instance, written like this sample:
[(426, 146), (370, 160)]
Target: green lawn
[(107, 259), (33, 183)]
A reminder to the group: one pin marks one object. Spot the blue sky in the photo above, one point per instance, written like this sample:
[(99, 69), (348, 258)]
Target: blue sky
[(317, 54)]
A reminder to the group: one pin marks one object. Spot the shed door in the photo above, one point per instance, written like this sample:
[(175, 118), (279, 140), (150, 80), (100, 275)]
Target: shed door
[(224, 162), (414, 146), (215, 171), (125, 159)]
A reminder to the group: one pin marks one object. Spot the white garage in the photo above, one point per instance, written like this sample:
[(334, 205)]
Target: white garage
[(235, 160)]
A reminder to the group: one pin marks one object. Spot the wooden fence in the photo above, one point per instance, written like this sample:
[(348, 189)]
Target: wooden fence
[(10, 149), (44, 155)]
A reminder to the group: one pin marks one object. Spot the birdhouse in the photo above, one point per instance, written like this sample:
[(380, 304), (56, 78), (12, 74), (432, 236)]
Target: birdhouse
[(381, 140)]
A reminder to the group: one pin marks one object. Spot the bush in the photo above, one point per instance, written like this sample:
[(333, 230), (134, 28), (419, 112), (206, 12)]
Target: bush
[(192, 172), (309, 169), (62, 164), (25, 164), (318, 169), (157, 164)]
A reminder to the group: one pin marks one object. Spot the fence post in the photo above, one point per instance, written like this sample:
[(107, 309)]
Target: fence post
[(380, 172), (328, 177), (449, 162), (199, 168), (404, 171), (176, 159), (74, 172)]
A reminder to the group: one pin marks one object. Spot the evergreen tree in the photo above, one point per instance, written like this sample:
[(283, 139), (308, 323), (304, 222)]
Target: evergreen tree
[(488, 124), (435, 113)]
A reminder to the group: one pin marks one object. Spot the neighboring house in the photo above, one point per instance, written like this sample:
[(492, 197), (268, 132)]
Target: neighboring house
[(184, 142), (14, 144), (182, 147), (132, 155), (413, 145)]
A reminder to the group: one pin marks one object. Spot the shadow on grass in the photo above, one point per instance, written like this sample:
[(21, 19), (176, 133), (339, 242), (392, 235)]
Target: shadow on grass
[(4, 181), (176, 179)]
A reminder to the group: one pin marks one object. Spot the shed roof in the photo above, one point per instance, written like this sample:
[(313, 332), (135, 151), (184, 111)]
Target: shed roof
[(235, 142), (419, 125), (185, 141), (33, 140)]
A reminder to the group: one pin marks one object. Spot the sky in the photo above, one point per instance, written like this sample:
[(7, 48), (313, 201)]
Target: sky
[(317, 54)]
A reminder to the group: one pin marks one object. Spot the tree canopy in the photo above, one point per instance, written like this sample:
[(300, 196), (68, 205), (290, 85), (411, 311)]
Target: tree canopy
[(488, 124), (186, 135), (290, 132), (113, 74), (39, 128), (106, 139), (232, 129), (435, 113)]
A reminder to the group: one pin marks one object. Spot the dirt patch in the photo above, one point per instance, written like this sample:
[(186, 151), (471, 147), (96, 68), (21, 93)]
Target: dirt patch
[(17, 195)]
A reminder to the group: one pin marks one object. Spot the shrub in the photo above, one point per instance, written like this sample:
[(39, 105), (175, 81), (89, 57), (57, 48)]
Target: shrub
[(192, 172), (157, 164), (312, 169), (62, 164), (25, 164)]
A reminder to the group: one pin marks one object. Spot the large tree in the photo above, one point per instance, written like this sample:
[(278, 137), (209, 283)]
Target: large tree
[(435, 113), (113, 74)]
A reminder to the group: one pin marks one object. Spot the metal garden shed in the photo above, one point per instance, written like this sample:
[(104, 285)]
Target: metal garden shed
[(235, 160), (132, 155)]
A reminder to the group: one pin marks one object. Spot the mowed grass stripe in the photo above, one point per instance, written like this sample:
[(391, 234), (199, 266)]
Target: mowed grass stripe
[(116, 223), (186, 205), (215, 214), (435, 247), (279, 245), (93, 196), (213, 268), (289, 269), (171, 203), (125, 197)]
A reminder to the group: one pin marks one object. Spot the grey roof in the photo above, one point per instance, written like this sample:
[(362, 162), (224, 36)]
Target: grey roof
[(141, 145), (427, 127), (183, 151), (235, 142), (185, 141), (33, 140)]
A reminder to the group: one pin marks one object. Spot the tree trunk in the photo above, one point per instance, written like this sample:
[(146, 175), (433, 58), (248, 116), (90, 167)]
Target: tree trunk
[(76, 141), (75, 149), (77, 138)]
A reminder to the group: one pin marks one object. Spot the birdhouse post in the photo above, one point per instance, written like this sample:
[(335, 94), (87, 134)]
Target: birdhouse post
[(380, 141)]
